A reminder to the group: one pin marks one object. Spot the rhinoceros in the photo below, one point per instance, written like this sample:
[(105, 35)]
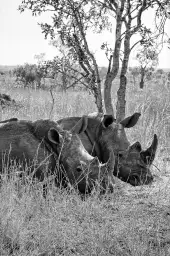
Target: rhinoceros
[(42, 144), (102, 134)]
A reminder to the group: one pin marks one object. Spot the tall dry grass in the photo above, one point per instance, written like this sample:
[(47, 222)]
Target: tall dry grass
[(130, 221)]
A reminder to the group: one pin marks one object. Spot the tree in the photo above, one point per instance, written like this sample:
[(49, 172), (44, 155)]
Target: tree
[(168, 43), (72, 19), (128, 15), (148, 60), (40, 58), (29, 74), (69, 72), (168, 76)]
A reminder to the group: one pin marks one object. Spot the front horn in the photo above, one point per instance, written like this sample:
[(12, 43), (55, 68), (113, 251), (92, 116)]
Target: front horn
[(149, 154)]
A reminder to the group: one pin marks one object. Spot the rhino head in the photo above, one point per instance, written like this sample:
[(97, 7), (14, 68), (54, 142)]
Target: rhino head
[(81, 169), (112, 135), (133, 164)]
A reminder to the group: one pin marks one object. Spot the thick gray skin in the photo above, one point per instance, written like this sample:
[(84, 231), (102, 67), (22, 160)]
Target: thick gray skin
[(133, 164), (104, 135), (41, 144)]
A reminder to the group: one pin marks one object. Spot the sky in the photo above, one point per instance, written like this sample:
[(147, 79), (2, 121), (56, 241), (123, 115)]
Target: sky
[(21, 38)]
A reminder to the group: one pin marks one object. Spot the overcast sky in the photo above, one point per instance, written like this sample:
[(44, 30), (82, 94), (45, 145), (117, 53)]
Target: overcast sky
[(21, 38)]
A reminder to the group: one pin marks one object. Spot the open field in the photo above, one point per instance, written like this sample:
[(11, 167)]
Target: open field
[(130, 221)]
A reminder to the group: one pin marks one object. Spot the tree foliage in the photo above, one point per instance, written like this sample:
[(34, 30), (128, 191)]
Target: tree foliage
[(147, 57), (72, 19), (66, 73)]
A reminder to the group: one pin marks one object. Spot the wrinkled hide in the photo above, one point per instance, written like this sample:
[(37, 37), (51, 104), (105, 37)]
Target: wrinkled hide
[(102, 135), (133, 164), (43, 145)]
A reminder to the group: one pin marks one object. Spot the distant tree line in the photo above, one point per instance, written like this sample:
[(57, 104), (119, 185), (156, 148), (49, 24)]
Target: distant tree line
[(65, 75), (61, 70), (29, 74), (140, 75)]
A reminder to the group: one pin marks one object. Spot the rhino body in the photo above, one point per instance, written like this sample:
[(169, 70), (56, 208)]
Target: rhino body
[(42, 146), (103, 135)]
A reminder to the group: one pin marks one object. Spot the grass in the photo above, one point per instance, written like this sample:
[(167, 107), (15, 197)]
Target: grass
[(130, 221)]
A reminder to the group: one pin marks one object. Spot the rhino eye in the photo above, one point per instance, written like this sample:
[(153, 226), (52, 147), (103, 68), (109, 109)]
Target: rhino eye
[(79, 169), (120, 154)]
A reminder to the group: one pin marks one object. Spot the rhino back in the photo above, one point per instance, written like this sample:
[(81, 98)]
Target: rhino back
[(18, 142), (68, 123), (40, 129)]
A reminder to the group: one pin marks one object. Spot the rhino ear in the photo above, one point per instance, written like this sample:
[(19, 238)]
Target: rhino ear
[(54, 136), (130, 121), (107, 120), (81, 125)]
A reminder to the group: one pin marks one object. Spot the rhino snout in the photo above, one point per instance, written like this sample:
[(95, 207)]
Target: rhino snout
[(138, 179)]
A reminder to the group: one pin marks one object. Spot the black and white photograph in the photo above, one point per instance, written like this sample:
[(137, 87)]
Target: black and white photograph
[(85, 128)]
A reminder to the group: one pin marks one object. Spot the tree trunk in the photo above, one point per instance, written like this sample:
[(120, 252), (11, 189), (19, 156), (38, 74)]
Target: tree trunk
[(112, 72), (64, 82), (134, 80), (121, 102), (121, 93), (98, 97), (107, 92), (63, 76), (97, 88), (141, 85)]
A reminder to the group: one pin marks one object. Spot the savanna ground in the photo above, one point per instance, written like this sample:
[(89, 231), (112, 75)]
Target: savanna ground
[(130, 221)]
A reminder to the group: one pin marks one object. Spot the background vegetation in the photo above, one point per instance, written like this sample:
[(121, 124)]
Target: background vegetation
[(130, 221), (70, 24)]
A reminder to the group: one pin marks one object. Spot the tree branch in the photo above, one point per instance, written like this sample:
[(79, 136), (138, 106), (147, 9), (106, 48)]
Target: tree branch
[(134, 45)]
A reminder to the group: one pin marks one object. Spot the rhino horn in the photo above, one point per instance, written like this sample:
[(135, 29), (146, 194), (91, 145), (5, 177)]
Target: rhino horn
[(81, 125), (95, 161), (149, 154)]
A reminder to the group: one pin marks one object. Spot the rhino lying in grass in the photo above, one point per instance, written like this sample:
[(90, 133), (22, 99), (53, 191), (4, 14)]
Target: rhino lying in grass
[(102, 134), (42, 144)]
